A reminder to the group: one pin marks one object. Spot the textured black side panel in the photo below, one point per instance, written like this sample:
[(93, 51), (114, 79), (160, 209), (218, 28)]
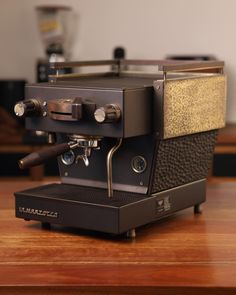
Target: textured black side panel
[(182, 159)]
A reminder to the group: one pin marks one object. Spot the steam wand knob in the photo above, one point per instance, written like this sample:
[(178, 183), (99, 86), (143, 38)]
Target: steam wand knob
[(27, 108), (107, 114)]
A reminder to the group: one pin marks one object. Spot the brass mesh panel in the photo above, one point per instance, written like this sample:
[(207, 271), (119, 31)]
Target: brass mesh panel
[(194, 105)]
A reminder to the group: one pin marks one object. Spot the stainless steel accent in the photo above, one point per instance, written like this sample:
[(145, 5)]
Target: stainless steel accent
[(87, 143), (107, 114), (63, 65), (139, 164), (73, 144), (100, 115), (68, 158), (58, 77), (163, 65), (19, 109), (109, 166), (85, 156), (27, 108)]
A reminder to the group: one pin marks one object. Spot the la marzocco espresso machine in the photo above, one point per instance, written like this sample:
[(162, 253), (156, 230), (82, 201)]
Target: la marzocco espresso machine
[(132, 147)]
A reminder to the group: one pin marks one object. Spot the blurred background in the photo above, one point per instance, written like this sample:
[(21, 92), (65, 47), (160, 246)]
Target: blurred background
[(146, 29)]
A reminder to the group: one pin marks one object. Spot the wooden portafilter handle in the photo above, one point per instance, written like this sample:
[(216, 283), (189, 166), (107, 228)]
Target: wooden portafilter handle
[(37, 158)]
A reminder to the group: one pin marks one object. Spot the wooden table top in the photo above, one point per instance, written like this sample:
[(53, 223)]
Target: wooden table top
[(184, 254)]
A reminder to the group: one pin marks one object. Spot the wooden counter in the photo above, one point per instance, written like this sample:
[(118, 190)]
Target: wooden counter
[(184, 254)]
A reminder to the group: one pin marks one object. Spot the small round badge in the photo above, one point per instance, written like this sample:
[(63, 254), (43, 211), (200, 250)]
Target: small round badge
[(139, 164)]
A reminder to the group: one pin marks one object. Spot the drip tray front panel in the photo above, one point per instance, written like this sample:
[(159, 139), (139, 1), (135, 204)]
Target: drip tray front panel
[(92, 209)]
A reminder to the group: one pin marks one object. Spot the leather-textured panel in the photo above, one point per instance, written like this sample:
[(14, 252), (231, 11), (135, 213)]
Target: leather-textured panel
[(182, 160)]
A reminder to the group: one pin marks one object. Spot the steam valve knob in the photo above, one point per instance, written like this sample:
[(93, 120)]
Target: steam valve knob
[(27, 108), (107, 114)]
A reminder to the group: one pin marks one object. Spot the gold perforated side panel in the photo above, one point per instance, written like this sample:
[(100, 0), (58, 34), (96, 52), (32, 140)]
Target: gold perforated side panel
[(194, 105)]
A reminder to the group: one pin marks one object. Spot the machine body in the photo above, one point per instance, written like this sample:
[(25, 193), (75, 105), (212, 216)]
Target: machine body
[(132, 147)]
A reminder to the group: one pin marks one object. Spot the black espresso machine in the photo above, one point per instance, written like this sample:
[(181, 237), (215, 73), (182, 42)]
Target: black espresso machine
[(132, 147)]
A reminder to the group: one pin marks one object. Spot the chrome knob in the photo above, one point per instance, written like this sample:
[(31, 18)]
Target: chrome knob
[(107, 114), (27, 108)]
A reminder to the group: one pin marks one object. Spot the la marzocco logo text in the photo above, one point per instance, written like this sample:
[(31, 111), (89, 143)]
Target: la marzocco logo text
[(38, 212)]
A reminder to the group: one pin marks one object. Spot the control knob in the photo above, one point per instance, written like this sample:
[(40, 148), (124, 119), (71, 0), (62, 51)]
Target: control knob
[(107, 114), (27, 108)]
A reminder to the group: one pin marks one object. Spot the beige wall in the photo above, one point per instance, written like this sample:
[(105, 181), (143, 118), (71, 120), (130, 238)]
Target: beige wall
[(147, 29)]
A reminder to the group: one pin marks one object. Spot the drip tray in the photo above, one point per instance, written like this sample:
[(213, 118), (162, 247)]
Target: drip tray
[(91, 208), (75, 193)]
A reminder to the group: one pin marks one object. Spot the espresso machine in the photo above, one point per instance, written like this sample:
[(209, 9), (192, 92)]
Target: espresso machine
[(132, 147)]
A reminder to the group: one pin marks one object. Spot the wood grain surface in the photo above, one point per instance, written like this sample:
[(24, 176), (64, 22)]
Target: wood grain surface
[(184, 254)]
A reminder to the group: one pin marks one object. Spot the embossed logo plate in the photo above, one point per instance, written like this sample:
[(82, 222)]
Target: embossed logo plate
[(38, 212)]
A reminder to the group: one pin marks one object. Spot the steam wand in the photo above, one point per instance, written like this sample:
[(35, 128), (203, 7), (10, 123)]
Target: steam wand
[(109, 166)]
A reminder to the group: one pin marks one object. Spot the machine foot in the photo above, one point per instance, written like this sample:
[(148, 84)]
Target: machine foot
[(46, 225), (197, 209), (26, 219), (131, 234)]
